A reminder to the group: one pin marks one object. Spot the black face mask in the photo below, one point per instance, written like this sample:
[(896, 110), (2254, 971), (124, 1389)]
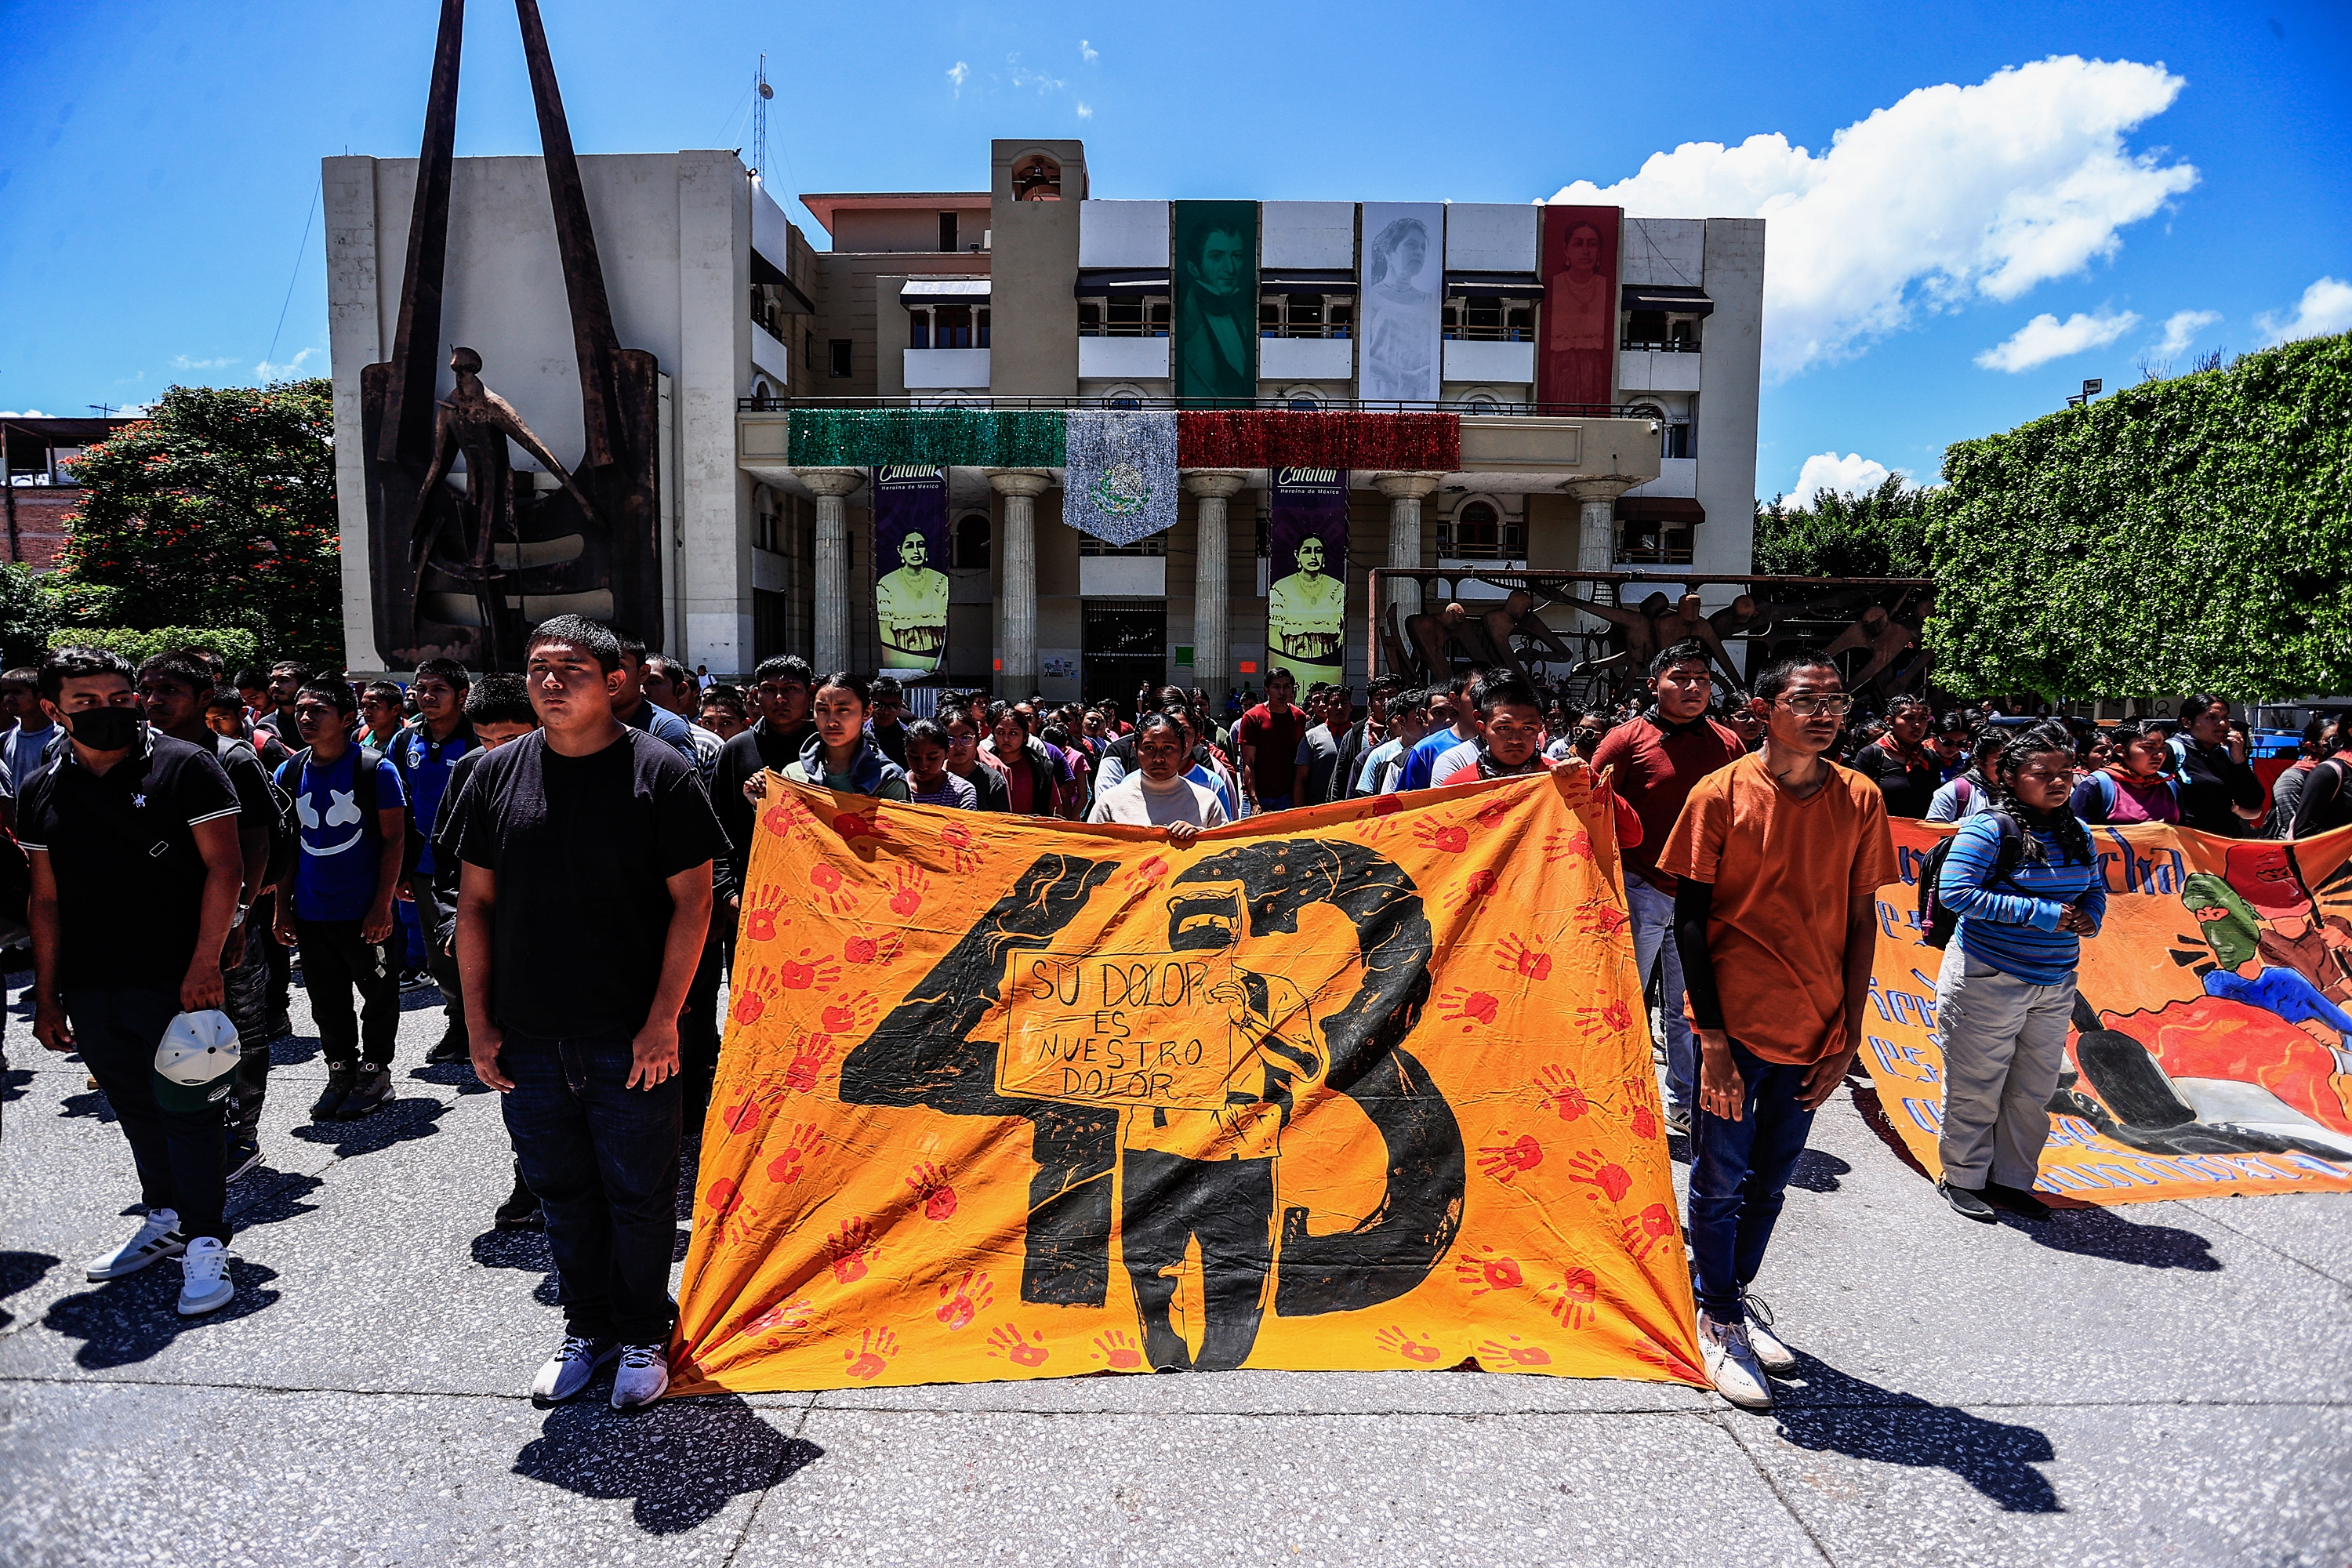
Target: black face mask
[(105, 729)]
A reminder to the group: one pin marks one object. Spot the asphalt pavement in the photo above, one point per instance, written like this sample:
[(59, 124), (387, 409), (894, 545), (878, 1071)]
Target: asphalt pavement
[(2166, 1382)]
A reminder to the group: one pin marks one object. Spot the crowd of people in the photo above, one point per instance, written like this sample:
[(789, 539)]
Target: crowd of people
[(190, 832)]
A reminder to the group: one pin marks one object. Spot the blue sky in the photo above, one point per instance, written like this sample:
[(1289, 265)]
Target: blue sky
[(159, 162)]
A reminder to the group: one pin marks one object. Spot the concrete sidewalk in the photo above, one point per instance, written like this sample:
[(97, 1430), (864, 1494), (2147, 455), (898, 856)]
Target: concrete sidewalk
[(2164, 1382)]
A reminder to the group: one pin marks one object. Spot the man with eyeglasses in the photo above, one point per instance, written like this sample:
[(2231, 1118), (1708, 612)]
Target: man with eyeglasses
[(1779, 859)]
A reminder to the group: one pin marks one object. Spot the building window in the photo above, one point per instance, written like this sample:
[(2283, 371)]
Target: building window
[(1659, 331), (1479, 532), (1156, 545), (971, 544), (1304, 316), (1143, 317), (947, 231), (1652, 542), (1490, 320), (838, 362), (808, 350), (947, 327), (1676, 440), (763, 522)]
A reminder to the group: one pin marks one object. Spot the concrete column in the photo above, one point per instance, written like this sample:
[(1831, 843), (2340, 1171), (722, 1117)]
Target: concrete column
[(1016, 637), (1404, 493), (832, 487), (1596, 531), (1213, 667)]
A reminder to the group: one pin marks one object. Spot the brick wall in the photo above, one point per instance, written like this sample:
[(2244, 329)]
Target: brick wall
[(40, 527)]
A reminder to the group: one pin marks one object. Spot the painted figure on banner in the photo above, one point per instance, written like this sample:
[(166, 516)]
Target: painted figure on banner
[(1216, 302), (1402, 325), (1307, 608), (1578, 365), (910, 602)]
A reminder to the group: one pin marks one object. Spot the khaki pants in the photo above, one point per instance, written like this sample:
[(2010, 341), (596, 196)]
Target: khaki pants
[(2004, 1041)]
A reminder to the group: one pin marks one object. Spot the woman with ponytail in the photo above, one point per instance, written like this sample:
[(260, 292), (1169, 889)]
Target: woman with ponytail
[(2025, 883)]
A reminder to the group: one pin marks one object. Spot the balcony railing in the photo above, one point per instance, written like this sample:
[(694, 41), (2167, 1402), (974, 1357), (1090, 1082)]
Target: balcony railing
[(1475, 334), (1659, 345), (780, 403), (1307, 330)]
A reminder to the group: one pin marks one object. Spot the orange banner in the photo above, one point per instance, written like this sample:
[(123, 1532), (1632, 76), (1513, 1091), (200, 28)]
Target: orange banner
[(1364, 1085), (2209, 1053)]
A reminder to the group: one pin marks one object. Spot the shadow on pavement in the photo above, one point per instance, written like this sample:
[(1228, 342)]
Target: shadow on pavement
[(13, 1084), (2091, 1232), (131, 1320), (524, 1249), (1830, 1412), (90, 1102), (293, 1051), (278, 1198), (458, 1076), (682, 1461), (1818, 1172), (21, 1271), (398, 1121)]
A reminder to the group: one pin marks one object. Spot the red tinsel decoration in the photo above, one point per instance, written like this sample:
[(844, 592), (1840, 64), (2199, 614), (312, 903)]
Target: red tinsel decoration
[(1291, 438)]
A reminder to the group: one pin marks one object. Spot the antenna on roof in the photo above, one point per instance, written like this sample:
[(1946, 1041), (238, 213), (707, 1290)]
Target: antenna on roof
[(762, 93)]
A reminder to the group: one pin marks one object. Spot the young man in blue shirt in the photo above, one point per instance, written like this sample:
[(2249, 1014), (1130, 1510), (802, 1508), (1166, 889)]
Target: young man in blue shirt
[(341, 911), (1420, 761), (425, 756)]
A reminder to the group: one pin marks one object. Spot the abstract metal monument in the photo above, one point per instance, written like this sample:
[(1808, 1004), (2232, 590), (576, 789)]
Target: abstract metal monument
[(463, 574)]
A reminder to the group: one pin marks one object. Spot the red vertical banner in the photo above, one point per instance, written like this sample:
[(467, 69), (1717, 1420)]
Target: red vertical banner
[(1579, 265)]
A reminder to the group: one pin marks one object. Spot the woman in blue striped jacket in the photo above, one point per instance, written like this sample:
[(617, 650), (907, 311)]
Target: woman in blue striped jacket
[(2006, 993)]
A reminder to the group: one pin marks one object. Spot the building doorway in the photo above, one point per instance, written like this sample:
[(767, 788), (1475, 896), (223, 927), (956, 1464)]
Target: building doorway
[(1125, 644)]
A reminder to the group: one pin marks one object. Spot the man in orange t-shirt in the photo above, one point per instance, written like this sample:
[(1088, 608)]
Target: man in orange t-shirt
[(1780, 859)]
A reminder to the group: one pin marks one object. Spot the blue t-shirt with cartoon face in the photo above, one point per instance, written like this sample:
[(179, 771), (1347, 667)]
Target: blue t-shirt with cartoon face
[(335, 879)]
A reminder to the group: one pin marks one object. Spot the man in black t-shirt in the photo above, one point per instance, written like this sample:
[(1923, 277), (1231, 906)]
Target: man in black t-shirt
[(132, 839), (583, 897)]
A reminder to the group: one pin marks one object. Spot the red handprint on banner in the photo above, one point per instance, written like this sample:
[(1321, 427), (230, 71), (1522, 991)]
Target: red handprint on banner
[(858, 825), (1413, 1347), (808, 1061), (1645, 1230), (1475, 887), (1504, 1160), (726, 1211), (1116, 1348), (1004, 1340), (1599, 918), (1446, 838), (1148, 872), (1458, 1004), (799, 1149), (908, 886), (761, 915), (785, 817), (1493, 813), (810, 972), (829, 887), (845, 1013), (963, 1300), (1589, 1169), (875, 1349), (759, 988), (1615, 1019), (781, 1320), (1566, 843), (964, 848), (746, 1112), (1578, 1290), (1561, 1093), (932, 1190), (1517, 1352), (883, 950), (851, 1246), (1489, 1271), (1513, 956)]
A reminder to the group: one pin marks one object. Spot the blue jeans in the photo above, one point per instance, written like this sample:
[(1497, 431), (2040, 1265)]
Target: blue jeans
[(177, 1153), (601, 1159), (1654, 933), (1740, 1175)]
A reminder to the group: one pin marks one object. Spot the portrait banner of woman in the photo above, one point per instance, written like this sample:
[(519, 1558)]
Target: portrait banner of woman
[(1307, 605), (1401, 288), (1579, 349), (910, 545), (1215, 277)]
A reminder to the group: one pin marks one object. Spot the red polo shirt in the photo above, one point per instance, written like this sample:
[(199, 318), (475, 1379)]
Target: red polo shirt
[(1656, 766)]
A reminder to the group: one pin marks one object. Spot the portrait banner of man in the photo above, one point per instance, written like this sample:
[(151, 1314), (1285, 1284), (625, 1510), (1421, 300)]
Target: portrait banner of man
[(1215, 279), (1307, 605), (910, 545), (1401, 288), (1576, 358), (1362, 1085)]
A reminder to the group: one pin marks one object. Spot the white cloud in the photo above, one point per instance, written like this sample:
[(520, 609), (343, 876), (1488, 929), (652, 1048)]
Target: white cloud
[(2325, 307), (2046, 338), (2180, 329), (1852, 474), (1022, 77), (22, 414), (1085, 109), (1951, 193), (958, 74), (265, 371), (1087, 52), (182, 362)]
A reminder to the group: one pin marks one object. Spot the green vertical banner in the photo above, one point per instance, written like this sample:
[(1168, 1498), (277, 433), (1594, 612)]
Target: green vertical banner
[(1215, 279)]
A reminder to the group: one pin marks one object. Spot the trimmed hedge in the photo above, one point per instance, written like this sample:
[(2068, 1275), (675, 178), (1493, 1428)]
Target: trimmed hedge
[(2184, 535), (235, 646)]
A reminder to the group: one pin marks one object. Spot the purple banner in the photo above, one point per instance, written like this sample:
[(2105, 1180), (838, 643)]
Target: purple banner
[(910, 547), (1307, 602)]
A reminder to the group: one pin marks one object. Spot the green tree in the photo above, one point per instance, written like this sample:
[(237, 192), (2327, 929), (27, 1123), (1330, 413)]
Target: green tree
[(218, 510), (2185, 535), (27, 612), (1868, 533)]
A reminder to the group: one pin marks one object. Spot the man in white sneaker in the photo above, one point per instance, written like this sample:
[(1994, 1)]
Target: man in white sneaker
[(133, 839), (574, 967)]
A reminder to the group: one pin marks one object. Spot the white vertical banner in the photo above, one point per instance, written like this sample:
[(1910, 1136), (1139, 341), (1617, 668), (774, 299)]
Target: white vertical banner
[(1400, 292)]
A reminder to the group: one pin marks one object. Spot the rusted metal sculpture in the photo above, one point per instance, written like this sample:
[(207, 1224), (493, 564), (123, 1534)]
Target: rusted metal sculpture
[(517, 552)]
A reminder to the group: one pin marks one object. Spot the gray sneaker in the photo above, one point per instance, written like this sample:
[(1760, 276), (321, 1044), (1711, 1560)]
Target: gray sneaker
[(1771, 1354), (1731, 1363), (567, 1372), (643, 1378), (158, 1237)]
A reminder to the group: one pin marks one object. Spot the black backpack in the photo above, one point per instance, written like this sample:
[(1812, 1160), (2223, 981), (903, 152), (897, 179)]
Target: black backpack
[(285, 829), (411, 847), (1936, 921)]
